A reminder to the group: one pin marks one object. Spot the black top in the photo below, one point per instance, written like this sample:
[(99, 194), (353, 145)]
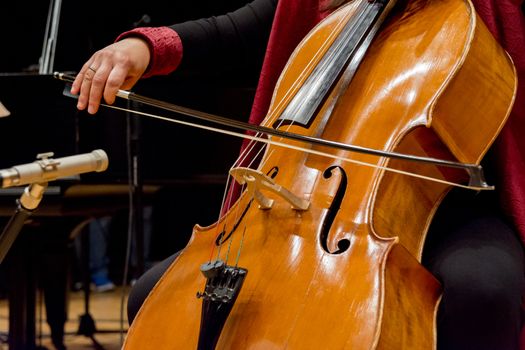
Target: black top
[(236, 38)]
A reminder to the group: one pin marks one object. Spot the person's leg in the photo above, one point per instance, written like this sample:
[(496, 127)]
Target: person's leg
[(479, 259), (145, 284), (98, 258)]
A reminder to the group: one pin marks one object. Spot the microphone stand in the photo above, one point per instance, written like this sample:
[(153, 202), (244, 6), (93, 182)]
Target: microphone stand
[(136, 188), (26, 205), (87, 325), (134, 136), (47, 59), (21, 321)]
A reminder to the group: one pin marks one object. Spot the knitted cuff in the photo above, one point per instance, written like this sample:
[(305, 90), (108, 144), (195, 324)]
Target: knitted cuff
[(165, 48)]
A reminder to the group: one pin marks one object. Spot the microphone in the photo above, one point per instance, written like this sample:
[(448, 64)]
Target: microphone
[(47, 169)]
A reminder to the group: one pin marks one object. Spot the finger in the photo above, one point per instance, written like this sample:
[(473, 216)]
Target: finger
[(97, 85), (75, 87), (116, 79), (88, 74)]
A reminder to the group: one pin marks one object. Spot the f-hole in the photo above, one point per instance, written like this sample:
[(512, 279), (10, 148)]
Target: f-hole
[(343, 244)]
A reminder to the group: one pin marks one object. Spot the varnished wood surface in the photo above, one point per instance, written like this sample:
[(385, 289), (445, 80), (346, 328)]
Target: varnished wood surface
[(104, 308), (296, 288), (299, 292)]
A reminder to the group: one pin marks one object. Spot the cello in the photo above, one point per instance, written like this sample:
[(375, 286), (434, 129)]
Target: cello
[(328, 256)]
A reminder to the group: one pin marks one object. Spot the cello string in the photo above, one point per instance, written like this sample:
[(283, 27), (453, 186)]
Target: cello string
[(258, 137), (307, 67), (314, 60), (363, 11), (307, 150), (240, 247), (360, 15), (228, 250), (353, 22), (354, 25), (356, 21), (230, 190)]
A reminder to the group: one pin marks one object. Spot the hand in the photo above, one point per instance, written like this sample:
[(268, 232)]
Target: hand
[(117, 66)]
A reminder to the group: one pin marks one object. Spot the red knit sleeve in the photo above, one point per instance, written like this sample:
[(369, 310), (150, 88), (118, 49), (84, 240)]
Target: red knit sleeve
[(165, 47)]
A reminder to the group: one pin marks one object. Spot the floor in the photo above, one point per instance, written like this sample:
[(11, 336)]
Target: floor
[(105, 309)]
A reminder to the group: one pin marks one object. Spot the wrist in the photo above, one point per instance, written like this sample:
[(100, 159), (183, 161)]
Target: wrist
[(164, 45)]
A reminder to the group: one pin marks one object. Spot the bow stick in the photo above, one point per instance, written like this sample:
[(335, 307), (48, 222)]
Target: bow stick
[(475, 171)]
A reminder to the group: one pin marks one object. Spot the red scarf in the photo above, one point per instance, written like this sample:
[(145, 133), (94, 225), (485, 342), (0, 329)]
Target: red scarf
[(505, 20), (293, 20)]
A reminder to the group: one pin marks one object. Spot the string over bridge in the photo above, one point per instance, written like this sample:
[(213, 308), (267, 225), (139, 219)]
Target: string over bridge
[(256, 181)]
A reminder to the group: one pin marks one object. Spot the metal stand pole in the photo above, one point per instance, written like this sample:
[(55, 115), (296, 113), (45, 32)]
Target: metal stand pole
[(47, 59), (26, 205), (21, 315)]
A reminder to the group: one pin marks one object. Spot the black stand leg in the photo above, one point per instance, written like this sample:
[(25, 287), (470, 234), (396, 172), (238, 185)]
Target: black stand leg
[(22, 297), (136, 184), (22, 287), (54, 283), (87, 325), (39, 258)]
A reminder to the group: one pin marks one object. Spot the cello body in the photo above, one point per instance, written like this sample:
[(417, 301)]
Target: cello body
[(433, 83)]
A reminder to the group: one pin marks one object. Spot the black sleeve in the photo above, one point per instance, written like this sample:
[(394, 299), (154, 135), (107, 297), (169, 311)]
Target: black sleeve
[(227, 41)]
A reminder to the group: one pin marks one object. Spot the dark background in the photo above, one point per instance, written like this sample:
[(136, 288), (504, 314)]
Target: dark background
[(86, 26), (189, 164)]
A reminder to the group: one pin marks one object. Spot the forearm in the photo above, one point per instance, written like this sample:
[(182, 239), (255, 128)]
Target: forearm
[(212, 43), (228, 40)]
